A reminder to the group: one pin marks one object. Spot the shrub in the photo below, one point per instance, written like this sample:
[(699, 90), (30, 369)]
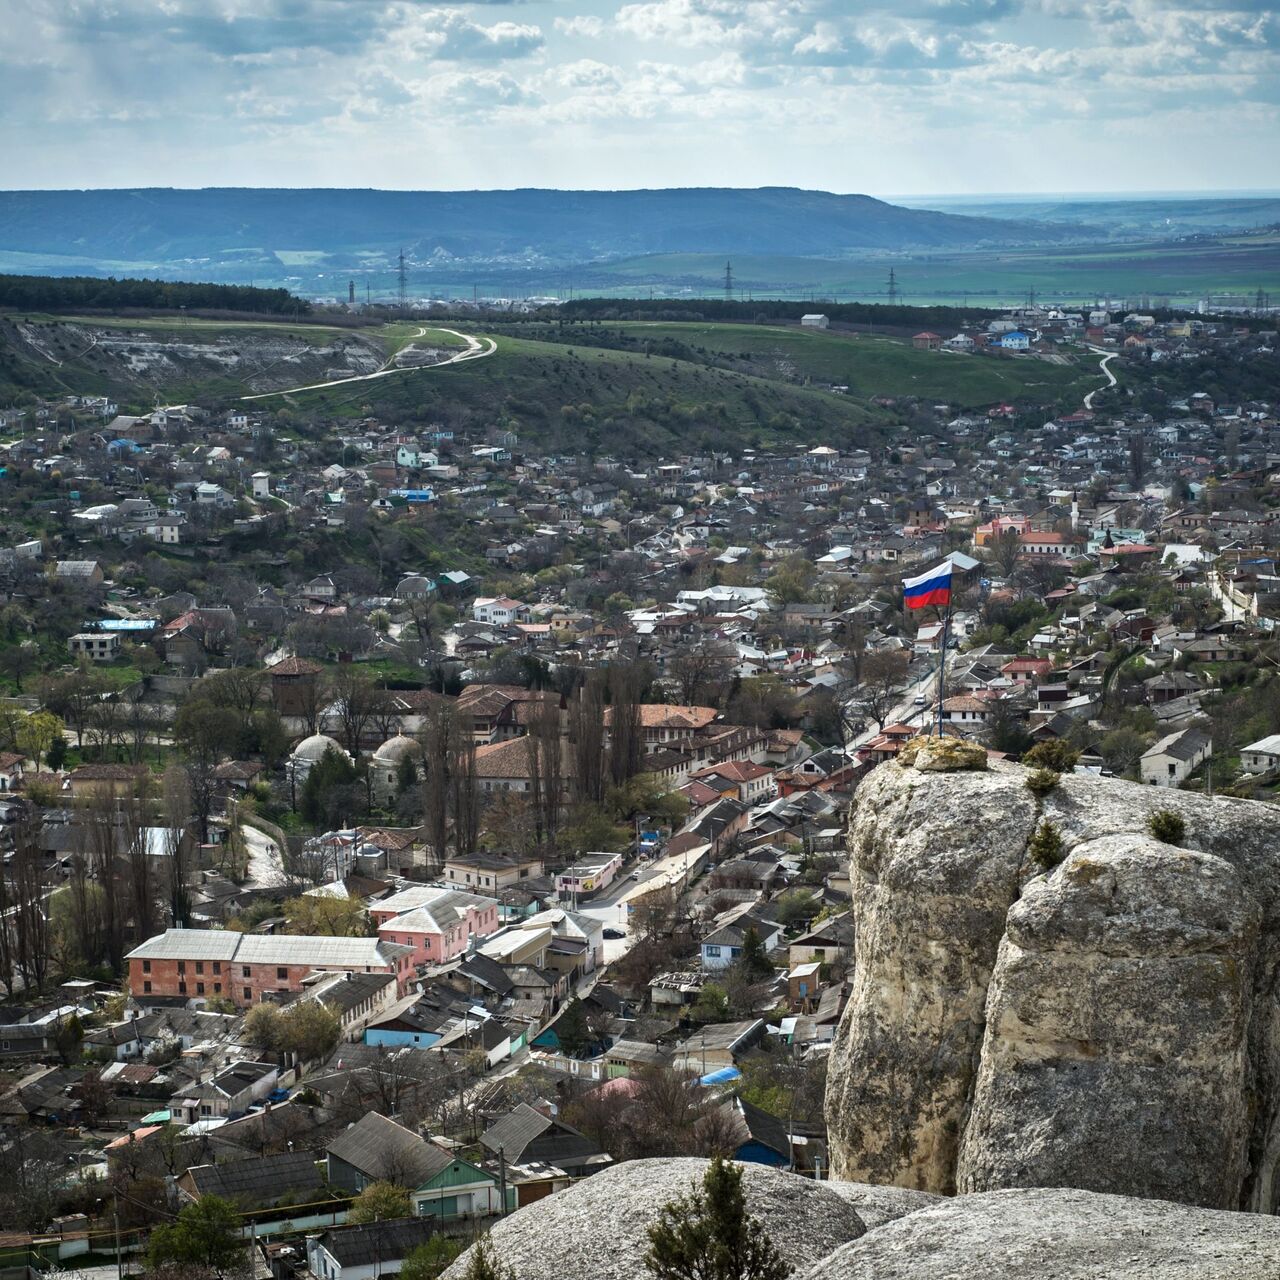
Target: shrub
[(1167, 826), (1045, 848), (483, 1263), (1041, 781), (1055, 754), (709, 1235)]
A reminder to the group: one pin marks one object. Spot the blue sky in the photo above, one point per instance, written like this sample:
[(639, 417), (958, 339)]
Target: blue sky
[(912, 96)]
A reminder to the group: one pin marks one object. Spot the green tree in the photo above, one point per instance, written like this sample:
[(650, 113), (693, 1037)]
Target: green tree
[(321, 915), (427, 1261), (37, 733), (263, 1028), (310, 1030), (572, 1030), (379, 1202), (754, 959), (1122, 749), (709, 1235), (205, 1234), (483, 1263)]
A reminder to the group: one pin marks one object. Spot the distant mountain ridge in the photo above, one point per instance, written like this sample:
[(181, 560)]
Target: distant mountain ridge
[(245, 224)]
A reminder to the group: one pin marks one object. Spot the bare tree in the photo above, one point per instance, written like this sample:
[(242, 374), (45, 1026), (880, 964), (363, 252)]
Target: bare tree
[(177, 818), (356, 700), (586, 737), (135, 832), (31, 908), (699, 671), (546, 782), (884, 674), (1004, 550), (98, 814), (626, 737)]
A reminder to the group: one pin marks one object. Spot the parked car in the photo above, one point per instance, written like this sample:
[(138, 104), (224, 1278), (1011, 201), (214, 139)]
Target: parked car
[(614, 934)]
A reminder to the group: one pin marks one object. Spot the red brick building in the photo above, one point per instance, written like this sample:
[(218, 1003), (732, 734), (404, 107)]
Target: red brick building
[(245, 967)]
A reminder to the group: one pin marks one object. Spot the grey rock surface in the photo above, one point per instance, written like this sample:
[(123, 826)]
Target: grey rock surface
[(598, 1229), (1109, 1024), (1048, 1234), (878, 1205)]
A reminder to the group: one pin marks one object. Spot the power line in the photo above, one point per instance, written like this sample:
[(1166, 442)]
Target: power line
[(728, 281), (893, 287), (403, 278)]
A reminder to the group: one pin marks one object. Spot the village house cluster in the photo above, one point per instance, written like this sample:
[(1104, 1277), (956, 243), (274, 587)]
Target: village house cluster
[(440, 801)]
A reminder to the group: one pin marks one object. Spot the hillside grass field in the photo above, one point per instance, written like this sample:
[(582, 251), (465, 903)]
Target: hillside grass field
[(876, 365), (592, 400)]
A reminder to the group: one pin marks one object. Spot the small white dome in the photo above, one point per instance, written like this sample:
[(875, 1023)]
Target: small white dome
[(314, 747), (394, 749)]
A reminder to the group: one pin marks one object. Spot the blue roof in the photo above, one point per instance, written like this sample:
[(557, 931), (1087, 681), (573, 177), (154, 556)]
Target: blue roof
[(726, 1075), (127, 624)]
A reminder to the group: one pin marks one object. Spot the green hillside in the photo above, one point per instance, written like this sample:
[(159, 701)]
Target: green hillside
[(634, 389), (871, 364), (585, 400)]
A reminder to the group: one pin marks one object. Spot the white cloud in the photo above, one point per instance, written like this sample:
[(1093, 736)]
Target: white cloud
[(585, 25), (450, 34)]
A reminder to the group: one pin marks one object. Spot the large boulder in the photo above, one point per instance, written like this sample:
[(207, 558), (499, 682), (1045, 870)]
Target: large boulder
[(1059, 1235), (878, 1205), (1107, 1023), (598, 1229)]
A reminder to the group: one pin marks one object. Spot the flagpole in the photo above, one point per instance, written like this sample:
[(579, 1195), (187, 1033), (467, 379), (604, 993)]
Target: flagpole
[(942, 664)]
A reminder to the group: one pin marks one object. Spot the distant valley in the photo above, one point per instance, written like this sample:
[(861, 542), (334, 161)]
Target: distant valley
[(774, 242)]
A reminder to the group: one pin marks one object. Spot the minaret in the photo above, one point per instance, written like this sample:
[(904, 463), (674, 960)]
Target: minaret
[(1075, 511)]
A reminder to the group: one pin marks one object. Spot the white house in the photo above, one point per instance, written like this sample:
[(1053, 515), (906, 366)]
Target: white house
[(100, 646), (1260, 756), (1174, 758), (724, 944), (814, 321), (499, 610)]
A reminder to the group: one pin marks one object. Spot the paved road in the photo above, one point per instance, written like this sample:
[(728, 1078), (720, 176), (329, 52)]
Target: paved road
[(1107, 358), (906, 711), (266, 867), (475, 350)]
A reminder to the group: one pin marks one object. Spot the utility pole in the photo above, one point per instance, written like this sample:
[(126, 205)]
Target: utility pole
[(115, 1218), (502, 1178)]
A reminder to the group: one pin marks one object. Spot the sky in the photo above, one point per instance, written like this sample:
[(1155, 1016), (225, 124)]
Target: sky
[(879, 96)]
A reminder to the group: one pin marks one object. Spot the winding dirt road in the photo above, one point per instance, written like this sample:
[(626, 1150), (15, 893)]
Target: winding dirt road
[(1107, 357), (475, 350)]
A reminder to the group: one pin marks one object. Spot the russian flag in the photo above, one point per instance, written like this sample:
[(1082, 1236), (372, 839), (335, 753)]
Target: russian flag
[(929, 588)]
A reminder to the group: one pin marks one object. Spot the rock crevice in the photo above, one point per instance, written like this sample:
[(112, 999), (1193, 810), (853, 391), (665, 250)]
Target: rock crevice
[(1106, 1024)]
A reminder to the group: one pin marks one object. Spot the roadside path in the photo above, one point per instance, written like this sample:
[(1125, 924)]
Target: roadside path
[(475, 350)]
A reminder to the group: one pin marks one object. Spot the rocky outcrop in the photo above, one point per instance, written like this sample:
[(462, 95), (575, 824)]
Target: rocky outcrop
[(1107, 1023), (878, 1205), (1059, 1235), (598, 1229)]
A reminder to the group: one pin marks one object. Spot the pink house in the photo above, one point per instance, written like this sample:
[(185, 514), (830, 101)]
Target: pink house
[(437, 923)]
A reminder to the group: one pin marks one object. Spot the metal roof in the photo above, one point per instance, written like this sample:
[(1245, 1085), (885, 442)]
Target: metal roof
[(251, 948), (379, 1148)]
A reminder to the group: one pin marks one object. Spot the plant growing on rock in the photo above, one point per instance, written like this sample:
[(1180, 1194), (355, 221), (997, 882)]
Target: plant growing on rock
[(1055, 754), (1041, 781), (709, 1235), (483, 1263), (1168, 826), (1045, 848)]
